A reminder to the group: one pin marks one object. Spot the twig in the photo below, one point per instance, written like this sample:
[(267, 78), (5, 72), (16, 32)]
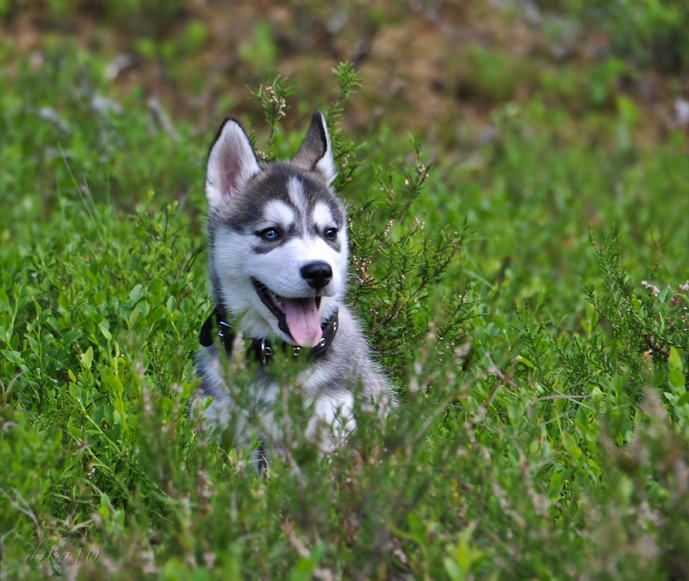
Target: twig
[(303, 552), (529, 409), (27, 511), (6, 391), (561, 397), (495, 371), (430, 420), (160, 117)]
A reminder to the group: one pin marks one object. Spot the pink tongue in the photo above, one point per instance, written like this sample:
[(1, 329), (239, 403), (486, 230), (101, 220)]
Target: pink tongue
[(304, 321)]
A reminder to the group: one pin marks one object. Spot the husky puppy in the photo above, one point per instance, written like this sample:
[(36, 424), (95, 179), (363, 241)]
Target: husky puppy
[(278, 267)]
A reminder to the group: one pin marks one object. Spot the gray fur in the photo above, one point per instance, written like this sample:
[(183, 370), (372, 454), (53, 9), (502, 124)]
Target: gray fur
[(295, 189), (315, 144)]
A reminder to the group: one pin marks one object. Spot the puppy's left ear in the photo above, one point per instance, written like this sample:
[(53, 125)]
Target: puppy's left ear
[(315, 153)]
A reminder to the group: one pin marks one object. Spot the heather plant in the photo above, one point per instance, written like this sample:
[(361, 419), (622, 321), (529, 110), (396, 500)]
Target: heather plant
[(541, 368)]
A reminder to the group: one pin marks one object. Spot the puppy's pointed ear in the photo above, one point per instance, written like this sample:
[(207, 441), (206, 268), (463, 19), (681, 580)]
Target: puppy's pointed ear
[(315, 152), (231, 163)]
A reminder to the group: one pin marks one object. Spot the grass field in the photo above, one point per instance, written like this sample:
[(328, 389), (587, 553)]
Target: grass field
[(529, 303)]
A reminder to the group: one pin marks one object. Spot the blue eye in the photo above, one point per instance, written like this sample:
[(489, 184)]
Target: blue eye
[(269, 234)]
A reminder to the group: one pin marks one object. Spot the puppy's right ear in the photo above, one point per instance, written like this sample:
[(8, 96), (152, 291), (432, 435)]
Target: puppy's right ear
[(231, 163)]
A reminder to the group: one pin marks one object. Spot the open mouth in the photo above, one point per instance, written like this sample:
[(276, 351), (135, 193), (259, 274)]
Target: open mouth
[(297, 317)]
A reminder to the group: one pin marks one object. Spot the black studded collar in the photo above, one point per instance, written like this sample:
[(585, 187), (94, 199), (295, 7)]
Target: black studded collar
[(262, 349)]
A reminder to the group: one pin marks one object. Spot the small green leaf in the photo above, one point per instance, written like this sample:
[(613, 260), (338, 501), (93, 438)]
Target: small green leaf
[(557, 482), (75, 432), (413, 520), (71, 336), (525, 361), (617, 384), (166, 404), (675, 360), (136, 294), (98, 414), (156, 290), (157, 315), (104, 328), (62, 301), (676, 379), (492, 329), (453, 570), (75, 390), (87, 358)]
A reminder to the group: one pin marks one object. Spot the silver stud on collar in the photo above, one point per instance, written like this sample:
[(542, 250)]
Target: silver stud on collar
[(266, 351), (223, 324), (296, 351), (321, 343), (335, 326)]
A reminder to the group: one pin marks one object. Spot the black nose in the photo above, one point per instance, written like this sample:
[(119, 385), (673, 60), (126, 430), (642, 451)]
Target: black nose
[(317, 274)]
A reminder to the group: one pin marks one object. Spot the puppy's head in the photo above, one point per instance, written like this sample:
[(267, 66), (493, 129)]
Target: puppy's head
[(278, 235)]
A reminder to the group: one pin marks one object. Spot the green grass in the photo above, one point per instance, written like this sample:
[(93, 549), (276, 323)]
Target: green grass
[(542, 429)]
